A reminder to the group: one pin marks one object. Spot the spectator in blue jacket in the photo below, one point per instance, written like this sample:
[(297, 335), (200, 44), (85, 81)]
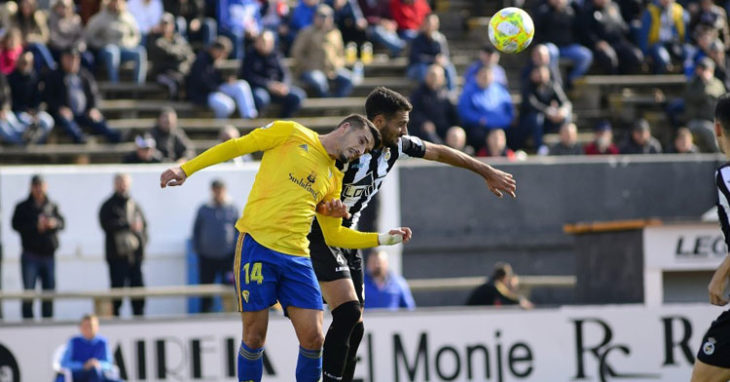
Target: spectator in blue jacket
[(239, 20), (301, 17), (269, 78), (488, 56), (385, 289), (663, 33), (214, 238), (88, 356), (206, 85), (428, 48), (484, 105)]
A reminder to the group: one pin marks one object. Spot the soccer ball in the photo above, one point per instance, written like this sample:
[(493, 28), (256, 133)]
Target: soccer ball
[(511, 30)]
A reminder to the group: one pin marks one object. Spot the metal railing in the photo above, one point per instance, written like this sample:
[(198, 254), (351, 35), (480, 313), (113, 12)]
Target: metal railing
[(102, 298)]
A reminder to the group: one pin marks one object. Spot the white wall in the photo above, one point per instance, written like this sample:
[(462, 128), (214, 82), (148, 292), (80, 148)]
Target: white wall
[(79, 192)]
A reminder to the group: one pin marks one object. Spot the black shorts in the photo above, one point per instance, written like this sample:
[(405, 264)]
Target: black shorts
[(331, 263), (715, 348)]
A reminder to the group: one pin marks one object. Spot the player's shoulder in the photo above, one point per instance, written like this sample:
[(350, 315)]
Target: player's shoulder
[(298, 128), (279, 124), (282, 129)]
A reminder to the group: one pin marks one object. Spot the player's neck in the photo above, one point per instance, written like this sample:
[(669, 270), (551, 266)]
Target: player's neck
[(329, 142)]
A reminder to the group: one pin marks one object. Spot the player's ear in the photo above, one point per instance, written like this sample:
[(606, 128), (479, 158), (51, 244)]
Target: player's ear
[(718, 129), (379, 121)]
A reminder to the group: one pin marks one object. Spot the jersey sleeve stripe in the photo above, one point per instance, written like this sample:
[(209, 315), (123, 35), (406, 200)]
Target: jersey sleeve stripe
[(723, 204)]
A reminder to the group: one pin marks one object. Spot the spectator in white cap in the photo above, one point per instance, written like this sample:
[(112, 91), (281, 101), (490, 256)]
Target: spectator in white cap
[(145, 151)]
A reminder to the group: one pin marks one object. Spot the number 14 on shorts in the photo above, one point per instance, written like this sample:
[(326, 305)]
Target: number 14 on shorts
[(252, 272)]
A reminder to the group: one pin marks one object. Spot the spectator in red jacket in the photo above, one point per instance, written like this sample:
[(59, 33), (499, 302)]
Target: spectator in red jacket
[(603, 142), (496, 146), (409, 15)]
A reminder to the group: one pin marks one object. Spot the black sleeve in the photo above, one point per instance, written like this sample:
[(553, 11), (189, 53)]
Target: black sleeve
[(110, 220), (412, 147), (22, 220), (723, 198)]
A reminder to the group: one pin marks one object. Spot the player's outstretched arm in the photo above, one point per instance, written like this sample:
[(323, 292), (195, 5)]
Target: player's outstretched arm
[(173, 176), (260, 139), (498, 181), (719, 282), (338, 236)]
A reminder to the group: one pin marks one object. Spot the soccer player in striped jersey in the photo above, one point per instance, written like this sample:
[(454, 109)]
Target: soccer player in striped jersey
[(713, 358), (339, 270), (296, 174)]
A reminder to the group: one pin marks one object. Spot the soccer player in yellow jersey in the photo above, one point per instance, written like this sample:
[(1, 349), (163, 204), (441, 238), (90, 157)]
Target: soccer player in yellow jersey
[(297, 173)]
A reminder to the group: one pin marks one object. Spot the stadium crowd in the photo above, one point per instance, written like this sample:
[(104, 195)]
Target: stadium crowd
[(53, 54)]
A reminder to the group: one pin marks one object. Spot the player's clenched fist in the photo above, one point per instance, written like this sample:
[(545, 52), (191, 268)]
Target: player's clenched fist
[(395, 236), (333, 208), (173, 176)]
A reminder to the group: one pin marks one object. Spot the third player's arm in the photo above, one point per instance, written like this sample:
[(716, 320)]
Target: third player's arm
[(719, 282), (497, 180)]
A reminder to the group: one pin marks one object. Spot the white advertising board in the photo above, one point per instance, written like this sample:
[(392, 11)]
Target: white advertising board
[(684, 247), (679, 247), (569, 344)]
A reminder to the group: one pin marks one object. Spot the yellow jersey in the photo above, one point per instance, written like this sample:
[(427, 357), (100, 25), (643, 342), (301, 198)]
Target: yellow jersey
[(295, 174)]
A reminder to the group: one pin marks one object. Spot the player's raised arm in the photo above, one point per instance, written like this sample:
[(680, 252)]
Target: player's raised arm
[(260, 139), (498, 181)]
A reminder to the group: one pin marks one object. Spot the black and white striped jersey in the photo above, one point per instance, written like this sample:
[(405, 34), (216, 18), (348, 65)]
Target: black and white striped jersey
[(722, 177), (364, 176)]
